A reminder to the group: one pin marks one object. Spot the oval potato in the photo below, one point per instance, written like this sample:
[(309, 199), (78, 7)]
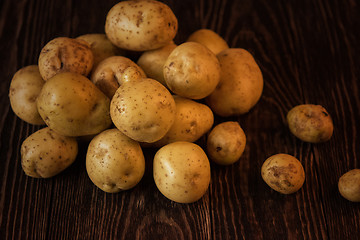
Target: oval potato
[(210, 39), (349, 185)]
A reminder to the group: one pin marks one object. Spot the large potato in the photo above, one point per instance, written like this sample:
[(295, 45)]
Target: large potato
[(349, 185), (25, 87), (192, 71), (114, 162), (72, 105), (140, 25), (45, 153), (210, 39), (310, 123), (109, 73), (65, 54), (143, 110), (181, 171), (241, 83)]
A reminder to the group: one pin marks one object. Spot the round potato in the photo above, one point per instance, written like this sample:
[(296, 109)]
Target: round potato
[(143, 110), (152, 62), (64, 54), (310, 123), (25, 87), (349, 185), (114, 162), (241, 83), (283, 173), (181, 172), (192, 71), (45, 153), (72, 105), (226, 143), (109, 74), (210, 39), (140, 25)]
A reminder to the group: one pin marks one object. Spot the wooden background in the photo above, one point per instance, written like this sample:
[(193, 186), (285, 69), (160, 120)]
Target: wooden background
[(308, 52)]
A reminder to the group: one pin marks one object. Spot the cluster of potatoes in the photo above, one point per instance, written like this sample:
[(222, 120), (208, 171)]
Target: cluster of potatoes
[(87, 89)]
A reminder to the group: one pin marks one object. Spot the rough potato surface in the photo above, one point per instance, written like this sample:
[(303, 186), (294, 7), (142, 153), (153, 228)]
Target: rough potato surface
[(349, 185)]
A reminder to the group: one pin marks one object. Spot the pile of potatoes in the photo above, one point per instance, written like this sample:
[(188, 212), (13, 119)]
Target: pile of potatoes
[(87, 89)]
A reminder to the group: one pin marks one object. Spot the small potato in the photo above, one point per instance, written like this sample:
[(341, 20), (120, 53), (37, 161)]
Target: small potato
[(283, 173), (64, 54), (72, 105), (210, 39), (181, 172), (45, 153), (192, 71), (226, 143), (152, 62), (241, 84), (114, 162), (140, 25), (310, 123), (143, 110), (109, 74), (349, 185), (25, 87)]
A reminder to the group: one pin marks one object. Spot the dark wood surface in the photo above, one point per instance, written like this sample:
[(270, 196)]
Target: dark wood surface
[(308, 52)]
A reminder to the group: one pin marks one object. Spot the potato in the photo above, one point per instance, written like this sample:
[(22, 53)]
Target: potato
[(349, 185), (192, 121), (45, 153), (65, 54), (310, 123), (143, 110), (140, 25), (226, 143), (210, 39), (152, 62), (109, 74), (114, 162), (241, 84), (72, 105), (24, 89), (181, 171), (192, 71), (101, 47), (283, 173)]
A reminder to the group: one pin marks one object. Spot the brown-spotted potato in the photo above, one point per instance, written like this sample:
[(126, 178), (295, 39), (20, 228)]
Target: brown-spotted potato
[(210, 39), (349, 185)]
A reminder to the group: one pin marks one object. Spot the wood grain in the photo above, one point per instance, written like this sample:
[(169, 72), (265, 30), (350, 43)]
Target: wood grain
[(308, 52)]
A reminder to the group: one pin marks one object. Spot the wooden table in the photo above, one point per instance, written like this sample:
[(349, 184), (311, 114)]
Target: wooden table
[(308, 52)]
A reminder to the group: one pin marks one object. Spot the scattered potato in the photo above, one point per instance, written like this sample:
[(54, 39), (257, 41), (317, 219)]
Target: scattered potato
[(25, 87), (210, 39), (65, 54), (310, 123), (283, 173), (140, 25), (181, 171), (114, 162), (349, 185), (226, 143), (45, 153)]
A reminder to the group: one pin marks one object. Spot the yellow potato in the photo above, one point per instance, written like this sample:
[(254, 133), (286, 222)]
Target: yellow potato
[(210, 39), (241, 84), (25, 87), (140, 25), (349, 185), (45, 153), (114, 162), (181, 171)]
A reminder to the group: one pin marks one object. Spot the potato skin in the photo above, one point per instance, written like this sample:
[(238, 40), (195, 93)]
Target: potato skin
[(140, 25), (114, 162), (45, 153), (181, 171), (226, 143), (72, 105), (310, 123), (192, 71), (210, 39), (241, 83), (349, 185), (24, 89), (283, 173)]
